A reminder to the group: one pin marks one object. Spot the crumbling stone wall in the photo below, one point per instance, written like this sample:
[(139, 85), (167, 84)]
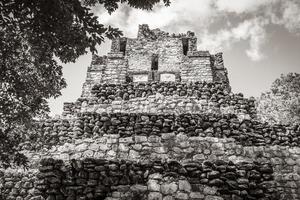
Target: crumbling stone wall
[(116, 68), (169, 49), (94, 73), (219, 70), (162, 97), (162, 105), (111, 68), (197, 67), (246, 132), (180, 147), (19, 185), (175, 54), (98, 179)]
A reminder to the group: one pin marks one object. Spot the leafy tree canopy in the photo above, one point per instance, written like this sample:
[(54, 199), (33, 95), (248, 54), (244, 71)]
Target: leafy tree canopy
[(34, 34), (286, 85), (282, 103)]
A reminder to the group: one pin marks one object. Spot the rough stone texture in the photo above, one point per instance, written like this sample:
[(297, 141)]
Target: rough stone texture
[(180, 148), (132, 60), (159, 97), (96, 179), (19, 184), (160, 104), (247, 132)]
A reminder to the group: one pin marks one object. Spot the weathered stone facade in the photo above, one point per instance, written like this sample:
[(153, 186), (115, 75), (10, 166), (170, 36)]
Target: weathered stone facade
[(157, 121), (162, 97), (155, 56)]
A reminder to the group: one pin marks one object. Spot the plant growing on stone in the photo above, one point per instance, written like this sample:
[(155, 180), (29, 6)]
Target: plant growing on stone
[(35, 34), (282, 103)]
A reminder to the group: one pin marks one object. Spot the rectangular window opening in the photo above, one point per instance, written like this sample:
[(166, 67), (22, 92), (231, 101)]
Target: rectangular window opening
[(154, 62), (123, 43), (185, 45)]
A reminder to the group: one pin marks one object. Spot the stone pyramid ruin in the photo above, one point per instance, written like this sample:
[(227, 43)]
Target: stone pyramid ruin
[(157, 121)]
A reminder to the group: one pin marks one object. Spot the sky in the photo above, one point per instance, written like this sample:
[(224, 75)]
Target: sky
[(260, 39)]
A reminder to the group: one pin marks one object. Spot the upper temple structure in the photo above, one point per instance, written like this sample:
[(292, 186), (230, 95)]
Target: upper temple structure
[(155, 55)]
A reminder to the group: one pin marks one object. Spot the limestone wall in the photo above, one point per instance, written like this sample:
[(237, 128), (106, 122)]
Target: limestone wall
[(102, 179), (154, 179), (168, 49), (197, 67), (116, 69), (161, 97), (284, 160), (164, 148), (176, 54), (87, 125), (202, 90), (94, 74), (161, 104), (19, 185), (219, 70)]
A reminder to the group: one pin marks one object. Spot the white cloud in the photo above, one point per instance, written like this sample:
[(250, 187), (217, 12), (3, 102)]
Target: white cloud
[(241, 6), (199, 15), (257, 39), (291, 16), (252, 30), (179, 16)]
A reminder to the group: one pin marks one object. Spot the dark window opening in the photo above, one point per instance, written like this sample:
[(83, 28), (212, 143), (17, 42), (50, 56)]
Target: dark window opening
[(153, 76), (123, 46), (185, 45), (154, 63)]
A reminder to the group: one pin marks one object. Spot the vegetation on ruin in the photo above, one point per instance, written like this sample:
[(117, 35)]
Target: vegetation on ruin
[(34, 35), (282, 103)]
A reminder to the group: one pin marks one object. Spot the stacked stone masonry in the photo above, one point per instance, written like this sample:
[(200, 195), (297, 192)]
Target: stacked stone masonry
[(19, 185), (181, 148), (87, 125), (157, 121), (162, 97), (99, 179), (155, 56)]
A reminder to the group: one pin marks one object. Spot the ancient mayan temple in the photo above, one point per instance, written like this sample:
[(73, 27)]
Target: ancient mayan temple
[(155, 56), (157, 121)]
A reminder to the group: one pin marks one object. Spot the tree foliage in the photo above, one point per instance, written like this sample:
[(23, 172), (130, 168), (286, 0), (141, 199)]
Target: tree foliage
[(282, 103), (34, 34)]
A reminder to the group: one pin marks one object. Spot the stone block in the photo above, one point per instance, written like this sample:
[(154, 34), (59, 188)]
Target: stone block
[(155, 176), (153, 185), (123, 147), (133, 154), (184, 185), (196, 196), (126, 140), (209, 197), (181, 196), (168, 198), (138, 188), (209, 190), (154, 196), (169, 188), (140, 139)]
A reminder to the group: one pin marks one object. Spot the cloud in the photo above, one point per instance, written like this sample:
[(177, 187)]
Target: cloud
[(236, 20), (241, 6), (257, 39), (289, 16), (180, 16), (251, 30)]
